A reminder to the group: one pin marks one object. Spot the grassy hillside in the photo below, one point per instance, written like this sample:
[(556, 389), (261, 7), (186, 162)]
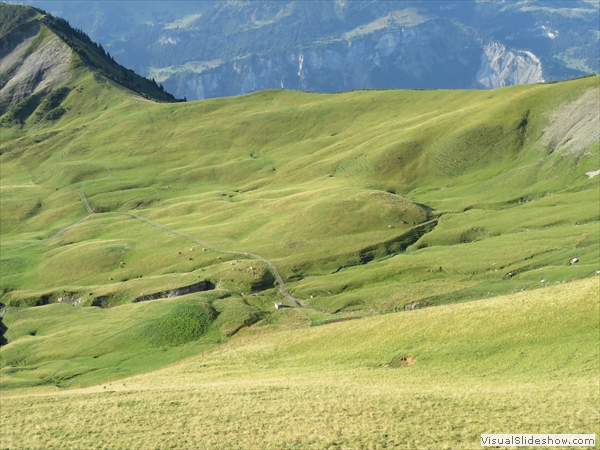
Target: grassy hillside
[(365, 202), (64, 346), (429, 379), (14, 15), (136, 234), (315, 183)]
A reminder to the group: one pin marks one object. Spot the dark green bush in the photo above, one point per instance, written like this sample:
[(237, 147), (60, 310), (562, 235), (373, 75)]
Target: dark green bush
[(55, 114)]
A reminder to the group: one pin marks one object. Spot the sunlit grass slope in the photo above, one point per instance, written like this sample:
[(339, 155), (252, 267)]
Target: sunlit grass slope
[(316, 183), (429, 379)]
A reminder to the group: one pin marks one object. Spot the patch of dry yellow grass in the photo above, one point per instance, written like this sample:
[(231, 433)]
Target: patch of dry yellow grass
[(329, 387)]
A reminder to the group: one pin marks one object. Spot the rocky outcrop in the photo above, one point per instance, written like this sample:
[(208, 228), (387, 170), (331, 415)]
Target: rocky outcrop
[(573, 128), (37, 53), (501, 67), (30, 64), (197, 287), (71, 298), (13, 45)]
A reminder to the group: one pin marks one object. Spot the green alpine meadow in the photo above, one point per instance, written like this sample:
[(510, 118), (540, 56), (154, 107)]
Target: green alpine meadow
[(283, 269)]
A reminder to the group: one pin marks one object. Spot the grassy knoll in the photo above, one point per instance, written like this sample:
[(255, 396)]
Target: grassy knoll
[(433, 378)]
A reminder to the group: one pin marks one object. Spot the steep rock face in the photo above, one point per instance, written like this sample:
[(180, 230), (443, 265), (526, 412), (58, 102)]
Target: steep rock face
[(409, 57), (13, 45), (199, 47), (31, 64), (501, 67)]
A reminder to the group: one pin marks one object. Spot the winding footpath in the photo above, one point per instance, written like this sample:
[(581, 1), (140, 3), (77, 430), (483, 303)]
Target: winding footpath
[(91, 212), (278, 277), (82, 193)]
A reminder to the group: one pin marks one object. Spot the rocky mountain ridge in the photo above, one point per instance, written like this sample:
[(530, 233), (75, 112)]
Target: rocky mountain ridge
[(40, 53), (30, 62)]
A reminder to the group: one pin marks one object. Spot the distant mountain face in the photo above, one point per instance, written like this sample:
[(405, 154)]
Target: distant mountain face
[(212, 49)]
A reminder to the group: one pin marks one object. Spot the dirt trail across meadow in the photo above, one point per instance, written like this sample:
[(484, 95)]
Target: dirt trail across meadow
[(278, 277), (282, 284)]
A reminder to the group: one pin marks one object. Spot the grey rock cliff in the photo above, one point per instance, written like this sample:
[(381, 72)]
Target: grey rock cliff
[(501, 67), (409, 57), (28, 66)]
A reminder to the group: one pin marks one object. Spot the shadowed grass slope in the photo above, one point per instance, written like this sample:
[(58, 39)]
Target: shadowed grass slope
[(64, 346)]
